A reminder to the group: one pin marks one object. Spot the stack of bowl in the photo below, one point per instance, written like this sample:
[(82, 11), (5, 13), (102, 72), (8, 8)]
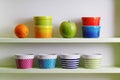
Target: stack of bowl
[(43, 26), (91, 27)]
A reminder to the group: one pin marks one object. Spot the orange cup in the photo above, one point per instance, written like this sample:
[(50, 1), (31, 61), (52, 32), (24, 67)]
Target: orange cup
[(43, 31)]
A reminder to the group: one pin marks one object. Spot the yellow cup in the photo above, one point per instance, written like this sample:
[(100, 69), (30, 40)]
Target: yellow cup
[(43, 31)]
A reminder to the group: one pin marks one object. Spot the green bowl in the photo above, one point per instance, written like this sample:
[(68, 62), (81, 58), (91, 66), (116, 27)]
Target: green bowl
[(92, 63), (43, 20)]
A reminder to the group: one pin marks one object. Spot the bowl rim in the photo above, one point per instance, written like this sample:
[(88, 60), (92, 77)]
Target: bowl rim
[(69, 56), (92, 56), (24, 56), (47, 56), (91, 17)]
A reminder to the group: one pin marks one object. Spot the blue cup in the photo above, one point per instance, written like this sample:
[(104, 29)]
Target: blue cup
[(91, 31), (47, 61)]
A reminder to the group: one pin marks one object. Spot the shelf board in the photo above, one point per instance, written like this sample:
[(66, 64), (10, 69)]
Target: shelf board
[(59, 40), (60, 70)]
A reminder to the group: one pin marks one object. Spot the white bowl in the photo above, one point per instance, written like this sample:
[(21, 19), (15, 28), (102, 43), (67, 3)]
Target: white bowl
[(93, 56), (24, 56), (69, 56), (47, 56)]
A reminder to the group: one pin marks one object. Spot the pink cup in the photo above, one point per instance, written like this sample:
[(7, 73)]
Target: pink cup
[(24, 61)]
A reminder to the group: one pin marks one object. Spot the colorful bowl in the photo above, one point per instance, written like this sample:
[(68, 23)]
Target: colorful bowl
[(91, 21), (91, 32), (24, 61), (43, 20), (70, 61), (47, 61), (43, 31), (92, 61)]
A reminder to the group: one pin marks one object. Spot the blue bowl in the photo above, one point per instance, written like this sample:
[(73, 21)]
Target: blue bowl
[(47, 63), (91, 31)]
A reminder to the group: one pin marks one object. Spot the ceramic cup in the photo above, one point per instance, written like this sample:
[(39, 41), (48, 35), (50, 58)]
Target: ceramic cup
[(91, 31), (70, 61), (43, 20), (91, 21), (47, 61), (24, 61), (92, 61), (43, 31)]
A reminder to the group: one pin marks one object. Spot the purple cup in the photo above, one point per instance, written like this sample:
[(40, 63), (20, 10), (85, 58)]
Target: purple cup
[(70, 61)]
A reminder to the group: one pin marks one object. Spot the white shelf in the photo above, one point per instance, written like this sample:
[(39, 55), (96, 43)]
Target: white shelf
[(60, 70), (59, 40)]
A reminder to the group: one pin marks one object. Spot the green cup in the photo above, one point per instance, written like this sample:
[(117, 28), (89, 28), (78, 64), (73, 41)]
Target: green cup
[(92, 61), (92, 64), (43, 20)]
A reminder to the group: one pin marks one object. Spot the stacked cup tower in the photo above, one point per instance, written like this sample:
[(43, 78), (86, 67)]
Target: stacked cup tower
[(91, 27), (43, 26)]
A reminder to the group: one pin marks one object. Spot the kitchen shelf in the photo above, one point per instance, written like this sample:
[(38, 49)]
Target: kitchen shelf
[(60, 70), (60, 40)]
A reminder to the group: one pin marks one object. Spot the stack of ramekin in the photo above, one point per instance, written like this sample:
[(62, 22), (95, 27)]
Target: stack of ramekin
[(43, 26), (91, 27)]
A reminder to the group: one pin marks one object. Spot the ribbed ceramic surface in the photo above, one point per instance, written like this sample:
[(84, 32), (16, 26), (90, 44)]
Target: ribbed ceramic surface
[(92, 63), (70, 63)]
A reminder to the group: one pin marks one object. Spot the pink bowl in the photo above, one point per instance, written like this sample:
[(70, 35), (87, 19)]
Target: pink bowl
[(24, 63)]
